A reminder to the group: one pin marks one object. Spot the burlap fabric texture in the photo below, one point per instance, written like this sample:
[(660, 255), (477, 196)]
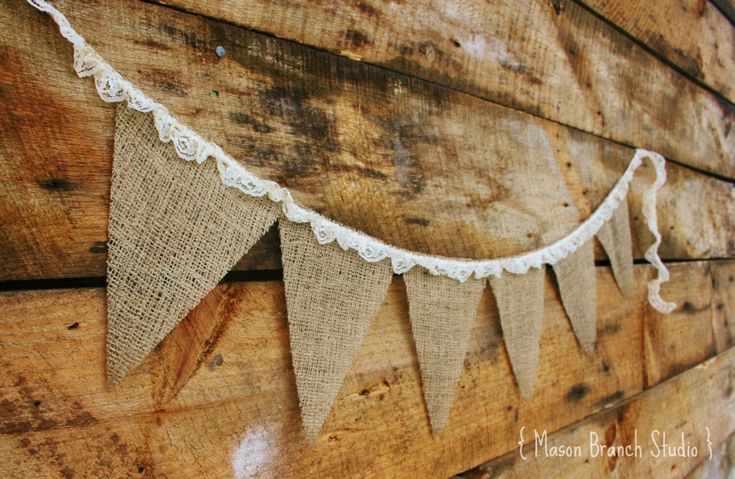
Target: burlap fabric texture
[(577, 281), (332, 296), (615, 238), (520, 300), (442, 312), (174, 232), (576, 278)]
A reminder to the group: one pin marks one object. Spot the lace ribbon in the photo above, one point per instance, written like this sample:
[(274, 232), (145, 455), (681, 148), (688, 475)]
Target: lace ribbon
[(112, 87)]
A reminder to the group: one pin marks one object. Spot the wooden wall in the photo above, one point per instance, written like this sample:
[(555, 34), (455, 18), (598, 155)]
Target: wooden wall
[(396, 118)]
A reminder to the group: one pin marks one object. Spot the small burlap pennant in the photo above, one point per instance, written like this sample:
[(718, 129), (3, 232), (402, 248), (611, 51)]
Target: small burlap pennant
[(615, 238), (332, 296), (174, 232), (520, 300), (575, 275), (442, 311)]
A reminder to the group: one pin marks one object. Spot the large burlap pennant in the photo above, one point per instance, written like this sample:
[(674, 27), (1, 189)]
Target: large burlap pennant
[(174, 232), (615, 238), (520, 300), (332, 296), (442, 311), (578, 289)]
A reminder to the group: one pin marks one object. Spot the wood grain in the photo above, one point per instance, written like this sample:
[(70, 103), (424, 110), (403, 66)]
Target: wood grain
[(720, 466), (410, 162), (692, 34), (554, 59), (410, 126), (697, 399), (670, 346), (724, 297), (238, 409)]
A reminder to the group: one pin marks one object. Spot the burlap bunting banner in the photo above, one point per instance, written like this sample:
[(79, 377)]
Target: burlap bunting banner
[(577, 281), (615, 238), (174, 232), (442, 312), (332, 296), (520, 300)]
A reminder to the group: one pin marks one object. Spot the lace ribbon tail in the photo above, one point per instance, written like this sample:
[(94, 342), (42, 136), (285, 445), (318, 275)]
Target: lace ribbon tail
[(651, 217)]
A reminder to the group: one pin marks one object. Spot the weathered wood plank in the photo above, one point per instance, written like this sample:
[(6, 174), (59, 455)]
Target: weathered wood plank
[(423, 167), (724, 319), (681, 408), (720, 466), (550, 58), (692, 34), (727, 7), (238, 408), (673, 345)]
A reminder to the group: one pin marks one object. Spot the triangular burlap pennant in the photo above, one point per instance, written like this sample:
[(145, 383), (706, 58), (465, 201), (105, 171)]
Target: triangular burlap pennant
[(442, 311), (520, 300), (578, 289), (615, 238), (174, 231), (332, 296)]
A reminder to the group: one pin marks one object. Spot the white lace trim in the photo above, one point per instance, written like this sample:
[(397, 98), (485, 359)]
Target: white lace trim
[(112, 87)]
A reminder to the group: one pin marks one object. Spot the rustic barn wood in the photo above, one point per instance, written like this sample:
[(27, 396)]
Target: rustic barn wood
[(721, 465), (405, 160), (727, 7), (554, 59), (692, 34), (724, 297), (219, 392), (687, 413), (405, 120)]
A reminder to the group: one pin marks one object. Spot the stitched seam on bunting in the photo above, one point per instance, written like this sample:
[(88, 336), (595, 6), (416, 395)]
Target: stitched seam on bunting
[(112, 87)]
